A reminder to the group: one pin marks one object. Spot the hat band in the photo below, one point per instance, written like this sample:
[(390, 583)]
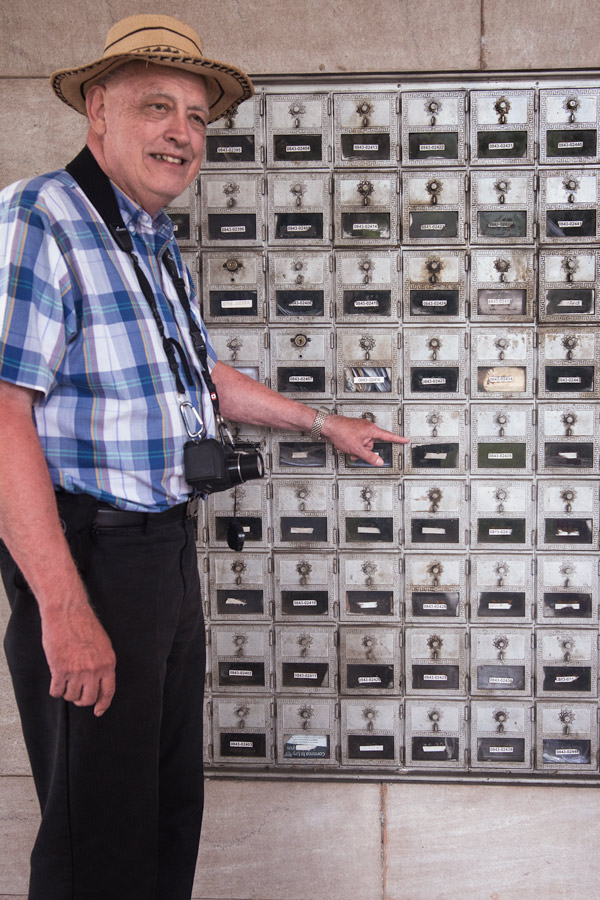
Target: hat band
[(153, 28)]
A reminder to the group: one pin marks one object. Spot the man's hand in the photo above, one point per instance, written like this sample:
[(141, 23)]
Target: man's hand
[(356, 437), (80, 656)]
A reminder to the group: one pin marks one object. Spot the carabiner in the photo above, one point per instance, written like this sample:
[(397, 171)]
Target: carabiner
[(184, 405)]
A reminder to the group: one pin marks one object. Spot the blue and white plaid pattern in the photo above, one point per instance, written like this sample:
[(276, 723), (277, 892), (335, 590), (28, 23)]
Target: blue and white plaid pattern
[(75, 326)]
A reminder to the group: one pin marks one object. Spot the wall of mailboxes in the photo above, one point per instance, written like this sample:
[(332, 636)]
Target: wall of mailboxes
[(424, 254)]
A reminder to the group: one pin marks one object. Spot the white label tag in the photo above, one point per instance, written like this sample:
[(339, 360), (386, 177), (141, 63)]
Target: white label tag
[(498, 301), (301, 379), (566, 679), (364, 529), (569, 379), (428, 529), (435, 303), (229, 149), (435, 677), (369, 679), (298, 455), (233, 229), (235, 601), (298, 228), (502, 749), (300, 148), (365, 226), (434, 381), (501, 224), (374, 379), (242, 744), (567, 606), (567, 751), (496, 379), (305, 675), (425, 147), (301, 530), (236, 304), (567, 454), (570, 145), (499, 605), (431, 455), (304, 603), (570, 303), (500, 531), (574, 224), (429, 749), (365, 147), (564, 532), (435, 606), (433, 226), (376, 748), (498, 680), (500, 456), (240, 673), (368, 604), (301, 303), (506, 145), (360, 303)]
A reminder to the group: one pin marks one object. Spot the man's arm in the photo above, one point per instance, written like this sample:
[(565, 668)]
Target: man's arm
[(244, 400), (78, 650)]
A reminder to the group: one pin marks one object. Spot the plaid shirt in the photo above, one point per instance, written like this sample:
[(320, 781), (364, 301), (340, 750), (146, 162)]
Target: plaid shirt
[(75, 326)]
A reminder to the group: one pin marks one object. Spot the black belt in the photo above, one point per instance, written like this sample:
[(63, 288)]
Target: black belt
[(109, 517)]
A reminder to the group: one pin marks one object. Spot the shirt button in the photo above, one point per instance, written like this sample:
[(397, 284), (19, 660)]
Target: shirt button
[(131, 228)]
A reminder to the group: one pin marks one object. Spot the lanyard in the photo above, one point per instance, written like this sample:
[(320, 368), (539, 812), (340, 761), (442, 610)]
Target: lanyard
[(96, 186)]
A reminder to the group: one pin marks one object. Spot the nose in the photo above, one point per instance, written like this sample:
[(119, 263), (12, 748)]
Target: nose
[(177, 128)]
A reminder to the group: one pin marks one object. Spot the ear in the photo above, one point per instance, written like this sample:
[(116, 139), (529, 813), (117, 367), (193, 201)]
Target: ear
[(96, 109)]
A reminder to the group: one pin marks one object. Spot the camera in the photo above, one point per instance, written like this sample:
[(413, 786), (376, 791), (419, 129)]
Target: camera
[(215, 465)]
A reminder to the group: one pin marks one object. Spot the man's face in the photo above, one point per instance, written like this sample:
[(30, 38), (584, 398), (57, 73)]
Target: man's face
[(150, 125)]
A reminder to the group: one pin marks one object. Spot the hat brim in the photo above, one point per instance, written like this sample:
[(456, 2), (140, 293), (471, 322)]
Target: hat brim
[(227, 86)]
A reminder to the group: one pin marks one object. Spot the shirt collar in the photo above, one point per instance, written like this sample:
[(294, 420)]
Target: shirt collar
[(157, 226)]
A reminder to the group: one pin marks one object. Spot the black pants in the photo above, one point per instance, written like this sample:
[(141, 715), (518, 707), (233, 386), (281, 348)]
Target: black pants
[(121, 795)]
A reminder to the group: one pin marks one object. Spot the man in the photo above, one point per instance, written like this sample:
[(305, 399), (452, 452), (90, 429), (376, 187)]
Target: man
[(97, 379)]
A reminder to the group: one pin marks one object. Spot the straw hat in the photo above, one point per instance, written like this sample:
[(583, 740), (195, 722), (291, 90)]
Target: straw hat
[(164, 41)]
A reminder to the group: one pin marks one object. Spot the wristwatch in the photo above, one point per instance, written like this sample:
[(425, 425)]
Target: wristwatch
[(315, 431)]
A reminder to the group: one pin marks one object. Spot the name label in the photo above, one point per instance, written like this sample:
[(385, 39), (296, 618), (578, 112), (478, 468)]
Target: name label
[(304, 379), (570, 145), (424, 147), (365, 147), (500, 531), (507, 145), (233, 229), (298, 228), (299, 148), (229, 149), (574, 224), (236, 304)]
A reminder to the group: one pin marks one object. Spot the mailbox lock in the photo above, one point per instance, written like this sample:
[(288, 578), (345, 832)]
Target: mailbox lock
[(300, 341), (501, 421), (296, 110), (571, 105), (434, 267), (501, 645), (435, 644), (569, 342), (365, 189), (569, 419), (568, 645), (232, 265), (434, 717), (567, 496), (502, 107), (502, 187), (434, 189), (433, 107), (229, 190), (500, 718), (502, 265), (567, 717), (364, 109), (570, 264), (571, 184)]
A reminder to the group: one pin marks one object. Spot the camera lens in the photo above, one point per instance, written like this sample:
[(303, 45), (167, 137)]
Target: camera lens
[(245, 466)]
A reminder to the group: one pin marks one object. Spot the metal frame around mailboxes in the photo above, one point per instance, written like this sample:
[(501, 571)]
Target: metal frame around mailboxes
[(492, 190), (506, 341), (367, 269), (369, 572), (224, 637), (244, 121), (434, 354), (569, 263), (568, 581), (427, 192), (229, 205), (306, 716), (318, 125), (573, 643), (436, 418), (313, 643), (435, 573), (379, 499), (296, 185), (503, 108), (291, 348), (503, 493), (305, 491), (301, 442), (238, 572), (300, 259), (563, 499), (574, 342), (435, 500), (250, 500), (515, 270), (366, 104), (242, 348), (571, 111), (368, 185), (384, 415), (220, 273), (435, 640), (503, 640), (254, 715), (434, 278), (512, 720), (419, 108), (312, 571), (350, 344), (365, 645), (505, 416), (570, 181), (501, 573), (573, 721), (439, 720), (570, 415), (379, 718)]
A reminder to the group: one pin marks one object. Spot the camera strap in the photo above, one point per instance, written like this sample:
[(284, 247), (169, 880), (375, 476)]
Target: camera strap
[(96, 186)]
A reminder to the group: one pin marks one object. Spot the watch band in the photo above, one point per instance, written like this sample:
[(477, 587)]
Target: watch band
[(317, 425)]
